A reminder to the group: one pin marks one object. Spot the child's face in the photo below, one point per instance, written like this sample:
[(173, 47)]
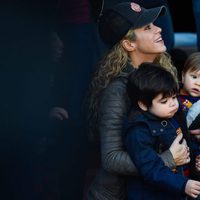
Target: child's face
[(191, 83), (164, 107)]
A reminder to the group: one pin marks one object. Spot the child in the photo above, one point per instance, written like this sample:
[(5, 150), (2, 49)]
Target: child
[(190, 92), (150, 128), (189, 97)]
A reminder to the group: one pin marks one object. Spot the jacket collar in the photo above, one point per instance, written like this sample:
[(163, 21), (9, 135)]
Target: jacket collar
[(156, 122), (129, 68)]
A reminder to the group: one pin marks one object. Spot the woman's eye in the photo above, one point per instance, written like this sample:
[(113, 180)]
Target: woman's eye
[(147, 27)]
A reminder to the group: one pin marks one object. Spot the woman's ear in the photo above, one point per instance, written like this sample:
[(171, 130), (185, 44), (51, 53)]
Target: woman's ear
[(142, 106), (128, 46)]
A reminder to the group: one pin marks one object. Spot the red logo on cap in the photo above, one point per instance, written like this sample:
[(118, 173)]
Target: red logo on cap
[(135, 7)]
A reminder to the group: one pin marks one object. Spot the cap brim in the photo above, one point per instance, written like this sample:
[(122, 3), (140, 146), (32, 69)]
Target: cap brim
[(149, 16)]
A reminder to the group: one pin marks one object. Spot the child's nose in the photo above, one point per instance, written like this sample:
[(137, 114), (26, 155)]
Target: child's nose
[(198, 82), (173, 102)]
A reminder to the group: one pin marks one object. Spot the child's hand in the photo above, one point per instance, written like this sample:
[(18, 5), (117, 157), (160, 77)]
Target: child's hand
[(197, 163), (192, 188), (196, 134)]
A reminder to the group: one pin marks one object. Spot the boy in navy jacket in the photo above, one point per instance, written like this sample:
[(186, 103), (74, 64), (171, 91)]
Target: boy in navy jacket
[(150, 128)]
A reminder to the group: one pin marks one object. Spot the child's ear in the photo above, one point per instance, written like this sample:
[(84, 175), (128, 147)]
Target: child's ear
[(142, 106), (182, 77)]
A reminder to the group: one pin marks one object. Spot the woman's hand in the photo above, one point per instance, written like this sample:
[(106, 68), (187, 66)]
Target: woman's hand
[(180, 152)]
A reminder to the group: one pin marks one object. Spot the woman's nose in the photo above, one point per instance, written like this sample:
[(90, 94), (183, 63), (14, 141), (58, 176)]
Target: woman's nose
[(157, 29)]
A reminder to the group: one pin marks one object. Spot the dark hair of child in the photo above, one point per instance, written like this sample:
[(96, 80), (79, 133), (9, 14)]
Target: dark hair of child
[(148, 81)]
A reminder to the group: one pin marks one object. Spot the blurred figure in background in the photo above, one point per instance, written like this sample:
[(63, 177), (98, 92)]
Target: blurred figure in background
[(196, 11), (25, 71), (77, 29)]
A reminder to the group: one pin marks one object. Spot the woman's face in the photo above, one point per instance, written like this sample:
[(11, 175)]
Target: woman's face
[(149, 40)]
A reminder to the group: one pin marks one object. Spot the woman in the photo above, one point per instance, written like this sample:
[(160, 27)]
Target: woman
[(133, 38)]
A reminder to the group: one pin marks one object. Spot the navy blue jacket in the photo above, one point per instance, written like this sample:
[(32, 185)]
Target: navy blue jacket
[(145, 136)]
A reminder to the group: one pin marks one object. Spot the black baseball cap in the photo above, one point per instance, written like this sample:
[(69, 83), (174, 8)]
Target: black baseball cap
[(115, 22)]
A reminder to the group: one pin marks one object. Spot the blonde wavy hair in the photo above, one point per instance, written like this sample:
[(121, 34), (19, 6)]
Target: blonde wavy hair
[(110, 67)]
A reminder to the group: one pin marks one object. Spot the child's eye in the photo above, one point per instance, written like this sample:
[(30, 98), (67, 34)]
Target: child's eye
[(193, 76), (163, 101), (174, 97)]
